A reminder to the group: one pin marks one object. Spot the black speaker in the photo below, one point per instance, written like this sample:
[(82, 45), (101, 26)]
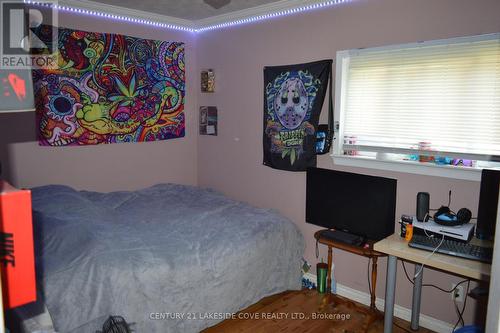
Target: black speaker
[(488, 204), (423, 199)]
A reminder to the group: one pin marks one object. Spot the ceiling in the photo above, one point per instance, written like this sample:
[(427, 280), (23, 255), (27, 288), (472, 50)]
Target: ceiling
[(186, 9)]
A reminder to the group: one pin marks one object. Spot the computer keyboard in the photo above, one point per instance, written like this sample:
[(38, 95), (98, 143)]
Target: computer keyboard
[(451, 247), (341, 236)]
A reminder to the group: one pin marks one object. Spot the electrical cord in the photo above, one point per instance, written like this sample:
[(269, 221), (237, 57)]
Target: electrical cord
[(431, 285), (449, 203), (425, 231), (424, 285), (317, 249), (427, 257), (460, 318), (461, 313), (426, 218)]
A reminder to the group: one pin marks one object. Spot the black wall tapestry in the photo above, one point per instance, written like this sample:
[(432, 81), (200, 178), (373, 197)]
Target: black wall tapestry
[(293, 98)]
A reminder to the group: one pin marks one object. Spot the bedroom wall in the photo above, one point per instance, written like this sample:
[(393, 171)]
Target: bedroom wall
[(104, 167), (232, 161)]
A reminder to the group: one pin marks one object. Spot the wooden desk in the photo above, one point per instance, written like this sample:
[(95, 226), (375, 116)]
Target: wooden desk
[(368, 252), (396, 247)]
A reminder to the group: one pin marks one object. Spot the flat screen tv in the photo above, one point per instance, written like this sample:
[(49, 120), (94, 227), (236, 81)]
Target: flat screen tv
[(358, 204)]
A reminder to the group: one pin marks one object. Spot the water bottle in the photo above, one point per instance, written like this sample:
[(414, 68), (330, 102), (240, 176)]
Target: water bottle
[(333, 287)]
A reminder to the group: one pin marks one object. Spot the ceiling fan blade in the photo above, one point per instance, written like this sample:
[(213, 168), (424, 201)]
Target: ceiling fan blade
[(217, 3)]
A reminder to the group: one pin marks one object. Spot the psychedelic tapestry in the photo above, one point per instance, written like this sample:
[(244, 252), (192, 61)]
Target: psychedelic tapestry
[(110, 88), (293, 98)]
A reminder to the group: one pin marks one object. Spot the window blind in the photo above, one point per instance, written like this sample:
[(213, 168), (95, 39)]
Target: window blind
[(444, 94)]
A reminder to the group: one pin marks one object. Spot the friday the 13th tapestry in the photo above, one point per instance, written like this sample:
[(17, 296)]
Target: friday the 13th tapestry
[(293, 98), (110, 88)]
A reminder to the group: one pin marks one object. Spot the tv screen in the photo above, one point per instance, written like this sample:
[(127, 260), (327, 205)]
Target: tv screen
[(358, 204)]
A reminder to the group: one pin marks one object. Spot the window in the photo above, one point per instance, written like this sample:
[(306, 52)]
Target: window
[(435, 102)]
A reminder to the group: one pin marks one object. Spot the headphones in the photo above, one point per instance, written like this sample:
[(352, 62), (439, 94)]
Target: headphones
[(444, 216)]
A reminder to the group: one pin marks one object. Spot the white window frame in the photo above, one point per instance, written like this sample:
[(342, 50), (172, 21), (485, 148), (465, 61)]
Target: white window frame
[(384, 163)]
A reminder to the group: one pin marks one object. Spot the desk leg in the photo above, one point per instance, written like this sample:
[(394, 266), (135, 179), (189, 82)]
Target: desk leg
[(417, 292), (329, 273), (390, 288), (374, 284)]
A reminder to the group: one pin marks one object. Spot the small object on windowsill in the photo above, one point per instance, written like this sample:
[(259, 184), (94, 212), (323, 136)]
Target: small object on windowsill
[(413, 167), (462, 162), (425, 145), (350, 140), (412, 157), (442, 160)]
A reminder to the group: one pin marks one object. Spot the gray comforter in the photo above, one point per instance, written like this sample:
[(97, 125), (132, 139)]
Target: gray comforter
[(166, 257)]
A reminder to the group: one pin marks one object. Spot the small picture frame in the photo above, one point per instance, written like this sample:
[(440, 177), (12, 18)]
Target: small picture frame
[(208, 81), (208, 120)]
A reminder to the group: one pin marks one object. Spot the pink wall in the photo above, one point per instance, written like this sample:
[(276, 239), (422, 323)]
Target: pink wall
[(104, 167), (232, 161)]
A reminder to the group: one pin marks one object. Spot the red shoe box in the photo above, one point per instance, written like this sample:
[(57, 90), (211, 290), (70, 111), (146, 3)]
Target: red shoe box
[(17, 263)]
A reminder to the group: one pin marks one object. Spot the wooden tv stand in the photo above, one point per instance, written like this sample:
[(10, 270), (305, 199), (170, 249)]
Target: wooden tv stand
[(363, 250)]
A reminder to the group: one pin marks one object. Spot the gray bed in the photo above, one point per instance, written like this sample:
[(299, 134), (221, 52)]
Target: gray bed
[(167, 250)]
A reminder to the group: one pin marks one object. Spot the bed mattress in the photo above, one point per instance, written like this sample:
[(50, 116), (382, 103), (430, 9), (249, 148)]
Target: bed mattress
[(168, 258)]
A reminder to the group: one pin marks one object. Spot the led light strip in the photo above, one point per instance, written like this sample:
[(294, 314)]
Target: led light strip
[(273, 15), (183, 28), (110, 16)]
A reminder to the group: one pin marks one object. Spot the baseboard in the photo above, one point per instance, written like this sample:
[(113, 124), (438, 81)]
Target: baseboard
[(429, 322)]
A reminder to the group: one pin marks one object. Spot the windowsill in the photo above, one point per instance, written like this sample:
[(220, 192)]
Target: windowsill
[(428, 169)]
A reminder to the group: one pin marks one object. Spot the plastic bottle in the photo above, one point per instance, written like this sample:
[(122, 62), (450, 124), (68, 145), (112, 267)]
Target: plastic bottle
[(333, 287), (409, 231)]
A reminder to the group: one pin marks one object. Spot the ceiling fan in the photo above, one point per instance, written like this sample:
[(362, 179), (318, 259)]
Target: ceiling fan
[(216, 3)]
